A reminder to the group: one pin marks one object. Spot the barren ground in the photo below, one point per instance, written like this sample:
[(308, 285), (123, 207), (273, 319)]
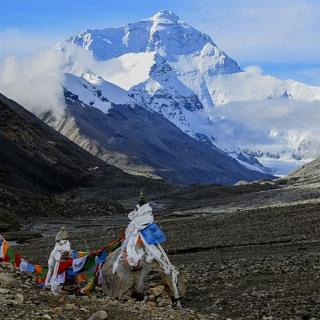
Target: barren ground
[(240, 264)]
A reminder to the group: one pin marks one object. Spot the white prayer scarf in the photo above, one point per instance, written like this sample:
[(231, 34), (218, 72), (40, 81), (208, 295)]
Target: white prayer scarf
[(53, 278)]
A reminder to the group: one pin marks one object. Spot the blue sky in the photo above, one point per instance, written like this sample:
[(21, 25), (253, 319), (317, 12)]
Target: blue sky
[(280, 36)]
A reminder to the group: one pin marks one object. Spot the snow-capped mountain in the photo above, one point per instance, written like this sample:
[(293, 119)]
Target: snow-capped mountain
[(162, 42), (163, 33), (169, 67), (106, 121)]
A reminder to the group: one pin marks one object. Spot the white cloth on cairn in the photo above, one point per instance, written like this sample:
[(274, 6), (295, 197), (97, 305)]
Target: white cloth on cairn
[(54, 279), (140, 218)]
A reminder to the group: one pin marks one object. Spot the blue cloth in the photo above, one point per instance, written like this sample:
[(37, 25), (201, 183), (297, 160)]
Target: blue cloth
[(152, 234), (30, 268), (74, 254), (70, 274), (102, 257)]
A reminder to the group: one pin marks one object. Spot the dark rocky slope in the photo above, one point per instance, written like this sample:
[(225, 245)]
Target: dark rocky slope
[(43, 174), (137, 139), (36, 158)]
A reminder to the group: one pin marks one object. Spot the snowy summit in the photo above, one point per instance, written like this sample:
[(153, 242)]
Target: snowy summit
[(165, 65)]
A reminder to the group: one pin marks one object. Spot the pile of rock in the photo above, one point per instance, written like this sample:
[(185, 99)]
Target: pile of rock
[(21, 299), (145, 282), (158, 296)]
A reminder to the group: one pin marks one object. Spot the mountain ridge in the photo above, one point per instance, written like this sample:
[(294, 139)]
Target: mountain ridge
[(163, 58)]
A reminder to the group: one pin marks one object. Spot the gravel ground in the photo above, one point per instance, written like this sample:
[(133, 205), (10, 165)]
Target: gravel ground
[(250, 264), (20, 300)]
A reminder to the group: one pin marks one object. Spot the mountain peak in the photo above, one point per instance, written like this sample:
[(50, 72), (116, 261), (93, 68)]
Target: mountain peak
[(163, 33), (165, 16)]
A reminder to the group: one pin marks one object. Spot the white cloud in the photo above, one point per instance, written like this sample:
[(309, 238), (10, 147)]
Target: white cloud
[(250, 124), (253, 69), (34, 81), (281, 113)]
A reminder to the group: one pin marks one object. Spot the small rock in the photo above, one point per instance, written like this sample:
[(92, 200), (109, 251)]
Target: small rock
[(58, 310), (152, 298), (156, 291), (70, 306), (11, 302), (19, 297), (4, 291), (164, 302), (152, 304), (99, 315), (84, 310)]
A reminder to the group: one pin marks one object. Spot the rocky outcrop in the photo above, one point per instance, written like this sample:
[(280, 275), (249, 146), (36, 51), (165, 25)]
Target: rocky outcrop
[(147, 281)]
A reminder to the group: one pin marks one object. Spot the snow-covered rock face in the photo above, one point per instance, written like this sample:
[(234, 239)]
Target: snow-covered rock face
[(162, 57), (163, 33), (164, 93), (94, 91), (165, 65)]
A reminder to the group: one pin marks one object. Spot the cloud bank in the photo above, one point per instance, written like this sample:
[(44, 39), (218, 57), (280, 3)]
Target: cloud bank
[(266, 125), (36, 81)]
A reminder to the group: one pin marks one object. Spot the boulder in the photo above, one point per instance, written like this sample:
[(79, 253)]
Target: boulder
[(140, 282)]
